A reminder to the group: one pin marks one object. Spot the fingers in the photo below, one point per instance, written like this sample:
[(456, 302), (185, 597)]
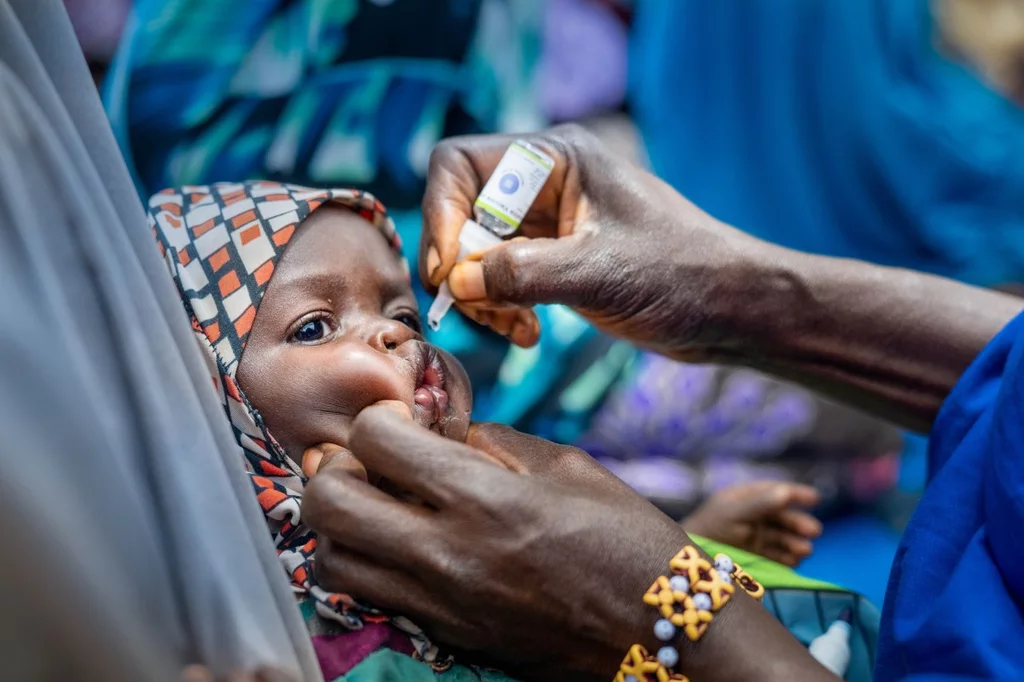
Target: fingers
[(318, 458), (524, 273), (351, 572), (518, 325), (798, 522), (417, 460), (797, 494), (763, 498), (458, 169), (352, 513), (782, 546)]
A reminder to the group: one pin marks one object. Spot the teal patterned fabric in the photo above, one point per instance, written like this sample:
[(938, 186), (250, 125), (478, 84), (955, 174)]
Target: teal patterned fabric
[(321, 92), (343, 93)]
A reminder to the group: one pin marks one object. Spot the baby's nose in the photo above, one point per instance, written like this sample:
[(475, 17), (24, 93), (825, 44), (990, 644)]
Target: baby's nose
[(388, 335)]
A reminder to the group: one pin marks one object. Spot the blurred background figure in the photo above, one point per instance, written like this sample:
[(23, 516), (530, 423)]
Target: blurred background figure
[(867, 128)]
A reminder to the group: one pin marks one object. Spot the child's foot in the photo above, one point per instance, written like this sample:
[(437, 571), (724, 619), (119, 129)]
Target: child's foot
[(766, 517)]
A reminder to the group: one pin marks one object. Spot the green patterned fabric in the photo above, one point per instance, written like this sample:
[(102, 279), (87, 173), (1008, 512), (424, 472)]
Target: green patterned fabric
[(807, 607)]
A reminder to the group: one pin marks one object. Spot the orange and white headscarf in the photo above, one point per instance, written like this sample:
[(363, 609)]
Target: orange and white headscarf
[(222, 243)]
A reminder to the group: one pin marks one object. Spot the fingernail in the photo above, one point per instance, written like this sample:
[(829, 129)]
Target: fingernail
[(311, 459), (467, 281), (523, 335), (433, 263)]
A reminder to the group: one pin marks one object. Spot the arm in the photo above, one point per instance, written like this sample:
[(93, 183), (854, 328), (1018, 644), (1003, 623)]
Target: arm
[(539, 570), (891, 341), (642, 263)]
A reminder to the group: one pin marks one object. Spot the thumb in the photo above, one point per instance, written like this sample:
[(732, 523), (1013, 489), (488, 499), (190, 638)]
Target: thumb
[(525, 272)]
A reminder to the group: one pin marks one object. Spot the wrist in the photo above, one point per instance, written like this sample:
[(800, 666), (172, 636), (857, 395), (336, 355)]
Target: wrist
[(740, 640), (701, 646), (767, 298), (627, 619)]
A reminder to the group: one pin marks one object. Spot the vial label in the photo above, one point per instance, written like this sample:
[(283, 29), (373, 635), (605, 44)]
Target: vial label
[(511, 189)]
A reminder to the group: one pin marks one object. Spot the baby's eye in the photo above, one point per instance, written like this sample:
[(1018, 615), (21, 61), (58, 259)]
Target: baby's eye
[(311, 331), (411, 321)]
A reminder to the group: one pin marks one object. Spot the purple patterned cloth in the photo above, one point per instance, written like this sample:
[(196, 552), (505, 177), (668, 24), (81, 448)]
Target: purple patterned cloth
[(679, 432), (582, 69), (339, 653), (98, 25)]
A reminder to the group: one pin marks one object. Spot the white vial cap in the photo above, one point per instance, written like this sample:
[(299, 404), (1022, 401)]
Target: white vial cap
[(440, 307), (472, 238)]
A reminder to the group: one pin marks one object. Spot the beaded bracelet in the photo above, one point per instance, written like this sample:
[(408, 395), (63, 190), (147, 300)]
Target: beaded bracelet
[(687, 599)]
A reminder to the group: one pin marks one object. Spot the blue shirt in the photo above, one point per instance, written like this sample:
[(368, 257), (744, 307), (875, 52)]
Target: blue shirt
[(953, 606), (834, 127)]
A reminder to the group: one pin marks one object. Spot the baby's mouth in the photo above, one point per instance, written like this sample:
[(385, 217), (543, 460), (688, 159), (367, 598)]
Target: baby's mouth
[(430, 399)]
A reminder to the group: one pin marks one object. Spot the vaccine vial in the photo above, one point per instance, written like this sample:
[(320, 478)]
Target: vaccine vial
[(499, 210), (512, 188)]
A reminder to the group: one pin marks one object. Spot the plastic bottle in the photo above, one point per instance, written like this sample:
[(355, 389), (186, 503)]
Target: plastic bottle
[(832, 649)]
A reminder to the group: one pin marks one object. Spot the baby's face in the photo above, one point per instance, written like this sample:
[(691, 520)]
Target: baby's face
[(338, 330)]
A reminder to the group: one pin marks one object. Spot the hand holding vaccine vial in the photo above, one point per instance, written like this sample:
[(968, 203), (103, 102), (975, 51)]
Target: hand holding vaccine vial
[(499, 210)]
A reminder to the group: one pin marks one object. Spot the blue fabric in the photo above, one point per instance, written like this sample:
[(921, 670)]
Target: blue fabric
[(875, 542), (952, 609), (833, 127), (316, 93)]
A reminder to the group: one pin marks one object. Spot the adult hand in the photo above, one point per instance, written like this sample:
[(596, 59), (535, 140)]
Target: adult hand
[(641, 262), (607, 238), (764, 517), (538, 565)]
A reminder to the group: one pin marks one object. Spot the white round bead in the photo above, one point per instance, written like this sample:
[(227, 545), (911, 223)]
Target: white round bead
[(629, 678), (725, 578), (668, 656), (702, 601), (724, 564), (679, 583), (664, 630)]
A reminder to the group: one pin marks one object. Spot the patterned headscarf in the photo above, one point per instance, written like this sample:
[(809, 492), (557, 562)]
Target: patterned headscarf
[(222, 243)]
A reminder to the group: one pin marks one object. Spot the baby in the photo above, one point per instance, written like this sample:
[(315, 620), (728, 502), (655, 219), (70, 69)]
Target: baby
[(303, 305), (337, 330)]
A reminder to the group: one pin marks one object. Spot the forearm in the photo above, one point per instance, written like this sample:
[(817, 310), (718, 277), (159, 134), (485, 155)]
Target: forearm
[(888, 340), (745, 642)]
